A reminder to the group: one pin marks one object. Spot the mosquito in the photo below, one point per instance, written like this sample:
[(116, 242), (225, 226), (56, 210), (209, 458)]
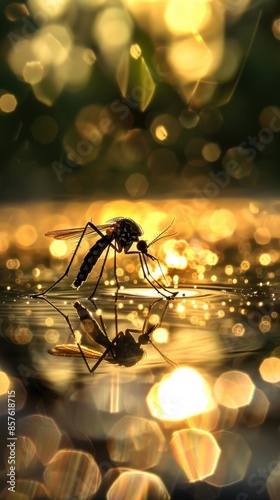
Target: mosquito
[(123, 350), (120, 234)]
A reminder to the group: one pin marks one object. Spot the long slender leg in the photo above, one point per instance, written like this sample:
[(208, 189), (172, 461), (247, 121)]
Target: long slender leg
[(96, 230), (116, 294), (145, 338), (159, 265), (144, 328), (91, 297), (116, 250), (68, 323), (103, 355), (147, 275), (100, 274), (168, 360)]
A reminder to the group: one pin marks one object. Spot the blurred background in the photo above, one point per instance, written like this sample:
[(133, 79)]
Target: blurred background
[(139, 99), (164, 111)]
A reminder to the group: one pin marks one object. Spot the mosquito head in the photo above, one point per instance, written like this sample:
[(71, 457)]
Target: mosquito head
[(142, 246), (144, 338)]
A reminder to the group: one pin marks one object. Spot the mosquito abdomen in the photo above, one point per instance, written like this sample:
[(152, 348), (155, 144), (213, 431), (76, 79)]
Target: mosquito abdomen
[(90, 260)]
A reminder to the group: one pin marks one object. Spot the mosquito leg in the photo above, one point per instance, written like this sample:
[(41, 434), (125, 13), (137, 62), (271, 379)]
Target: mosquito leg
[(96, 230), (92, 370), (163, 291), (170, 295), (100, 275), (159, 265), (60, 312), (151, 306), (69, 324), (147, 275), (168, 360), (116, 294)]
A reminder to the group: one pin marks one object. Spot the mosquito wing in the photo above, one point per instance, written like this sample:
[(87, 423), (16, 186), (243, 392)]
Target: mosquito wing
[(73, 351), (75, 232)]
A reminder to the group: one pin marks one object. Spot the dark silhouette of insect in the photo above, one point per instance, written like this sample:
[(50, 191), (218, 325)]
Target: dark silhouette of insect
[(120, 234), (123, 350)]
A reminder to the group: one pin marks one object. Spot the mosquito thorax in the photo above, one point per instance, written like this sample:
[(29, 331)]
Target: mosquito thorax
[(128, 232)]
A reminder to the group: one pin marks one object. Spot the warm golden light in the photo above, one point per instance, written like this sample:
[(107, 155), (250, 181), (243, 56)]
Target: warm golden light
[(222, 223), (4, 383), (265, 259), (262, 236), (8, 103), (229, 471), (135, 51), (48, 10), (51, 45), (185, 17), (160, 335), (58, 248), (51, 336), (179, 395), (112, 30), (190, 58), (26, 235), (234, 389), (33, 72), (276, 28), (137, 441), (196, 451), (65, 464), (238, 330), (270, 370), (137, 485)]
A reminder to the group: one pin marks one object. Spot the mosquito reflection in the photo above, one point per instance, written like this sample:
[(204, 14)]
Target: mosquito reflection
[(122, 350)]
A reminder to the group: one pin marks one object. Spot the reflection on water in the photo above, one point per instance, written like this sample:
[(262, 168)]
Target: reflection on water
[(164, 430)]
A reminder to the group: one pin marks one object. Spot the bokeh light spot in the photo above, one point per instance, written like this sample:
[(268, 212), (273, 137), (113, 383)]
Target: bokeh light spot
[(234, 389), (196, 451), (136, 185), (137, 441), (8, 103), (270, 370), (72, 474), (33, 72), (179, 395), (276, 28), (265, 259), (138, 485), (26, 235), (229, 470), (4, 383), (58, 248)]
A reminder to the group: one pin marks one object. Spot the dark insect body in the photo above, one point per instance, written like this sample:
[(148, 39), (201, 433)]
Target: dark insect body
[(120, 234), (123, 350)]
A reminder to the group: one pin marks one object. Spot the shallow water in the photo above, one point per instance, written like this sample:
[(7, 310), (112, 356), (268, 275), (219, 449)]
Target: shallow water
[(213, 329)]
